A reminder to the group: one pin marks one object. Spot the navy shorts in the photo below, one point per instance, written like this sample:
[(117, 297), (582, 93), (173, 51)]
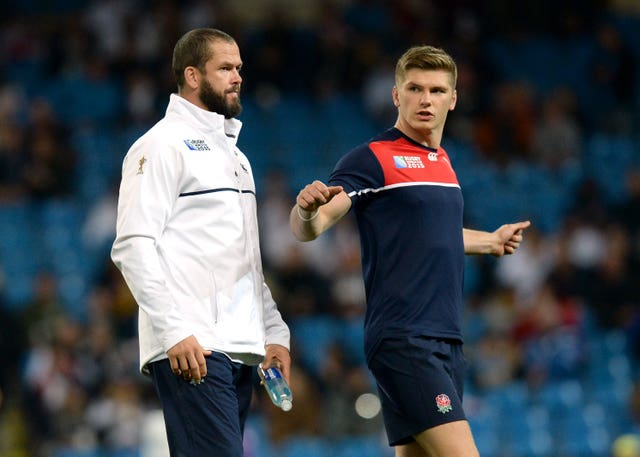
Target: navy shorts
[(208, 418), (420, 381)]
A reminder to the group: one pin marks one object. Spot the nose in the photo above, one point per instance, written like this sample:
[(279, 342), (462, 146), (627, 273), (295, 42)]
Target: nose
[(425, 100), (235, 77)]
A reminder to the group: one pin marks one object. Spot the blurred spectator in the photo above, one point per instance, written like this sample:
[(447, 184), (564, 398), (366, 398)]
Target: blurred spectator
[(142, 98), (40, 316), (332, 54), (628, 211), (115, 301), (12, 161), (584, 222), (53, 396), (376, 88), (12, 342), (281, 249), (496, 361), (107, 19), (567, 281), (273, 213), (614, 295), (494, 356), (269, 51), (550, 340), (347, 286), (99, 228), (368, 17), (342, 385), (628, 215), (48, 170), (298, 289), (201, 13), (557, 139), (587, 246), (614, 78), (526, 272), (468, 107), (505, 133), (116, 415)]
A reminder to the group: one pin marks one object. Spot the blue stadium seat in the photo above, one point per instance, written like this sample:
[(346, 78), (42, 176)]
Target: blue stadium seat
[(305, 446), (364, 446), (485, 429), (351, 338), (79, 100), (313, 335), (561, 398), (527, 432), (20, 252), (579, 439), (607, 159), (510, 397), (99, 160)]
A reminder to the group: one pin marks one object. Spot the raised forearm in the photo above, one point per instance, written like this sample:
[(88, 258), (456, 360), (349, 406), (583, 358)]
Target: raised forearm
[(305, 225), (479, 242)]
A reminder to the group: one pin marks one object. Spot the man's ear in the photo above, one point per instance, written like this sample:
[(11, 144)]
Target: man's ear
[(454, 99), (394, 95), (192, 77)]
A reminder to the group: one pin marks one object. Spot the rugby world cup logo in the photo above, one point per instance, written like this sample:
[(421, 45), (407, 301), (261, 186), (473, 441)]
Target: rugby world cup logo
[(443, 403)]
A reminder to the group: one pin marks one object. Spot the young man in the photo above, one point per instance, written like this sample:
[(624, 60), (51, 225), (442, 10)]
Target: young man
[(408, 205), (187, 246)]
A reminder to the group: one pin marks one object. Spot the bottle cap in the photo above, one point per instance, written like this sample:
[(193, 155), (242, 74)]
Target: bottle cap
[(286, 405)]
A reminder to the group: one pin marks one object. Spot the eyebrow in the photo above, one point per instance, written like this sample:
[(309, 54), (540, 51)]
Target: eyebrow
[(229, 63), (435, 86)]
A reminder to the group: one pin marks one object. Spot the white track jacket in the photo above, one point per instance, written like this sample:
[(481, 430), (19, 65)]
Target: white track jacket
[(187, 239)]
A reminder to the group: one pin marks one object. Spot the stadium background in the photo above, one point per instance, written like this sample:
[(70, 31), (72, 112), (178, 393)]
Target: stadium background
[(545, 129)]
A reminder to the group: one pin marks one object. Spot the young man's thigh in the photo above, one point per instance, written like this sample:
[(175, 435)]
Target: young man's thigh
[(453, 439)]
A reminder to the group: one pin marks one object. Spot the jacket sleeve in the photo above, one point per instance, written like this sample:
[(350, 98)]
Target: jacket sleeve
[(148, 190), (276, 331)]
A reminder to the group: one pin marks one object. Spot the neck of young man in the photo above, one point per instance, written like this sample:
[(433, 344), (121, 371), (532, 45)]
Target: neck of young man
[(427, 137)]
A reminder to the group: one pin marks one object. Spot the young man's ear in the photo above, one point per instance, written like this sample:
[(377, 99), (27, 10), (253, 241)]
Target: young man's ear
[(454, 99), (394, 95)]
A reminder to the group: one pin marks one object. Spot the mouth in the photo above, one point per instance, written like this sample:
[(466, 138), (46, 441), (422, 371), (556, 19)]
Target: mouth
[(425, 115)]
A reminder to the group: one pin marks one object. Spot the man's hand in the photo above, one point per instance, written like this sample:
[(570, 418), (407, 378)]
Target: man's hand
[(315, 195), (188, 359), (509, 237), (278, 356)]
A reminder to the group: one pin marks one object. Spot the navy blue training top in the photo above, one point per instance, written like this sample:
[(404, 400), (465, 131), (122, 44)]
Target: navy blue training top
[(408, 206)]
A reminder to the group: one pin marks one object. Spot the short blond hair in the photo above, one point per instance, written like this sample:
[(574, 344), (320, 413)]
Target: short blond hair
[(426, 58)]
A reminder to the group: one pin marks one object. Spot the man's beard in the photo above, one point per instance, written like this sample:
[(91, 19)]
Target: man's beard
[(217, 103)]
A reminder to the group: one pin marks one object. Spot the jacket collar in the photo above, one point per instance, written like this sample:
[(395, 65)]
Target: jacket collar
[(202, 119)]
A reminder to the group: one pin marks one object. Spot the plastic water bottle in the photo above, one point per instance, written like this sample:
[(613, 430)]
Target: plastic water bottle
[(276, 387)]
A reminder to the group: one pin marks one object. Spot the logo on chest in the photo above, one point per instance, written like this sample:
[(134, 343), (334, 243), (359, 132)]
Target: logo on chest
[(411, 161), (197, 145)]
